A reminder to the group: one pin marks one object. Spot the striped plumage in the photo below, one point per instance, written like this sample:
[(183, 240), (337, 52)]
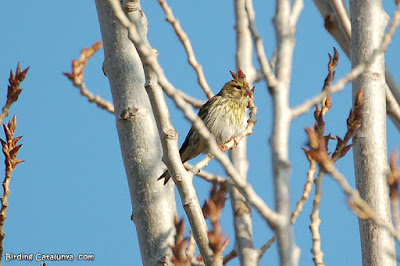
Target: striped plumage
[(224, 116)]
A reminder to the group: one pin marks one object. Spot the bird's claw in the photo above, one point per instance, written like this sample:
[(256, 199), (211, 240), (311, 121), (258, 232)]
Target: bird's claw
[(235, 141)]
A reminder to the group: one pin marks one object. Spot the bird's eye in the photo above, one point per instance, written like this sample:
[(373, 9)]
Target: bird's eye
[(237, 88)]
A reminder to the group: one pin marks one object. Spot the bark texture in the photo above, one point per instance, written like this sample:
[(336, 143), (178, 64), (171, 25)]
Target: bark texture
[(153, 203), (368, 21)]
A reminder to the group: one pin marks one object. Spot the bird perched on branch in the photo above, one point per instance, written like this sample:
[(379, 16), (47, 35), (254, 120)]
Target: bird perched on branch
[(223, 115)]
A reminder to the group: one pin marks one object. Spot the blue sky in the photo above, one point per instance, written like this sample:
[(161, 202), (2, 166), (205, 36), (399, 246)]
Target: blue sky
[(71, 194)]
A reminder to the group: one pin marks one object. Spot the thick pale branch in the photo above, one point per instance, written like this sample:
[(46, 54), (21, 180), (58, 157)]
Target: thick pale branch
[(284, 31), (297, 7), (149, 59), (333, 26), (141, 152), (242, 218), (180, 176), (370, 145)]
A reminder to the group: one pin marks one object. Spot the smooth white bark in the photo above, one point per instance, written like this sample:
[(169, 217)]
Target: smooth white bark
[(153, 203), (368, 21), (284, 32), (242, 220), (332, 25)]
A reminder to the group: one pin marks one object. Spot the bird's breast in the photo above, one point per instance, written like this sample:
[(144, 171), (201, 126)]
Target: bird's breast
[(226, 120)]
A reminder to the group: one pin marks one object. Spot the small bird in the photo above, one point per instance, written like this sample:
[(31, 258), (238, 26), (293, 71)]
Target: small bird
[(223, 115)]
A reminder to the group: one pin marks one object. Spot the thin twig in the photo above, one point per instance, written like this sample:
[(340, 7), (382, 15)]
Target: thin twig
[(212, 209), (262, 58), (307, 189), (393, 182), (273, 59), (387, 39), (188, 48), (266, 246), (316, 221), (179, 254), (338, 86), (230, 256), (360, 206), (392, 108), (13, 90), (233, 254), (101, 103), (210, 177), (343, 16), (10, 151), (76, 76), (353, 74), (196, 103)]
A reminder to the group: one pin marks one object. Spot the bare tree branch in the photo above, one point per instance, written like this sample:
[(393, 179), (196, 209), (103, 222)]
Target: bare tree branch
[(149, 58), (297, 7), (316, 221), (393, 182), (266, 246), (332, 25), (370, 146), (284, 31), (241, 211), (100, 102), (181, 177), (262, 58), (343, 17), (210, 177), (10, 151), (231, 255), (76, 76), (363, 206), (191, 100), (392, 108), (188, 48), (141, 153), (13, 90), (307, 189), (353, 74)]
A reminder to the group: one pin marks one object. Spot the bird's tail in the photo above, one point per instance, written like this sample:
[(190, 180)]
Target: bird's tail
[(184, 159), (165, 175)]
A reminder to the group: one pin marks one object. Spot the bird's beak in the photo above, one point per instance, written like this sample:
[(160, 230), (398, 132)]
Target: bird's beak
[(250, 93)]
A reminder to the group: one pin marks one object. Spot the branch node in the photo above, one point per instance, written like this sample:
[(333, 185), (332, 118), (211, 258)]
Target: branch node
[(128, 113)]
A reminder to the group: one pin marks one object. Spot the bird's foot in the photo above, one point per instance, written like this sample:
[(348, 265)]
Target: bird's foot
[(235, 141)]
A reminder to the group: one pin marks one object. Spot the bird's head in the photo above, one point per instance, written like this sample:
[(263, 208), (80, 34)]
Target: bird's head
[(238, 88)]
